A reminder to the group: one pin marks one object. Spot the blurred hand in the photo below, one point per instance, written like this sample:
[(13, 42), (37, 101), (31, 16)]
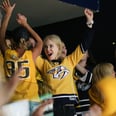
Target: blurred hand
[(40, 110), (95, 110), (7, 89)]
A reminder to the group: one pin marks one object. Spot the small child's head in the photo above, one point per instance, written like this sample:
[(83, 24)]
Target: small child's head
[(21, 37), (52, 47), (64, 50), (102, 70)]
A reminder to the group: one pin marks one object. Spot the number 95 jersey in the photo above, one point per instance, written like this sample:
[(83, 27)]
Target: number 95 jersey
[(27, 88)]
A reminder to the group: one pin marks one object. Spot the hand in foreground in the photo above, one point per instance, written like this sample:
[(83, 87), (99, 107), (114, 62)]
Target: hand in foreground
[(94, 110), (40, 110), (7, 89)]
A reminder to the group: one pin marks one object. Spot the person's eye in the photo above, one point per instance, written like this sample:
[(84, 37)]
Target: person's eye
[(51, 46)]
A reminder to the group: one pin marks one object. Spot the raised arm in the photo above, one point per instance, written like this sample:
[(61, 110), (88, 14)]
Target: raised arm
[(81, 66), (8, 8), (83, 73), (22, 20), (89, 33)]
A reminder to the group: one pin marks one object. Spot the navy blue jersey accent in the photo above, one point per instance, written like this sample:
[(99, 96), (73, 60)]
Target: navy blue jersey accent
[(91, 4), (87, 39)]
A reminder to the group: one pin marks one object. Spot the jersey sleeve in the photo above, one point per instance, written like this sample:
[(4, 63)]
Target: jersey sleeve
[(87, 38)]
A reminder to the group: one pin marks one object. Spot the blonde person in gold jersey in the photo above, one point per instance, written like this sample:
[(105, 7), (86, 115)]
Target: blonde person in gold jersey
[(58, 72), (102, 92)]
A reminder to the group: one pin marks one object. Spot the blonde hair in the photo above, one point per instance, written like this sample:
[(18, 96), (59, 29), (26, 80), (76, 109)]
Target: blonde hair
[(102, 70), (56, 39)]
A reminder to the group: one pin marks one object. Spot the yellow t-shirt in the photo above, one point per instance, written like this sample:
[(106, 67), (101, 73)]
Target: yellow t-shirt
[(107, 87)]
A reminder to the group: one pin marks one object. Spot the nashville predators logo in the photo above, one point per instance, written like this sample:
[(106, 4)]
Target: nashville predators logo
[(58, 72)]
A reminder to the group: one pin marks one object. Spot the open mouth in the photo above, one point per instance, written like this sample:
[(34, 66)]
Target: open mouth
[(50, 54)]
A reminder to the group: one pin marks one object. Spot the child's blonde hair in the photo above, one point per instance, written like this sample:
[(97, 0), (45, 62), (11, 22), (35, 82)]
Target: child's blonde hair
[(57, 40), (102, 70)]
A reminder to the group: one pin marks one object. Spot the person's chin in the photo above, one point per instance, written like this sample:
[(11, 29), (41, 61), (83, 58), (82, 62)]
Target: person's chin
[(50, 58)]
